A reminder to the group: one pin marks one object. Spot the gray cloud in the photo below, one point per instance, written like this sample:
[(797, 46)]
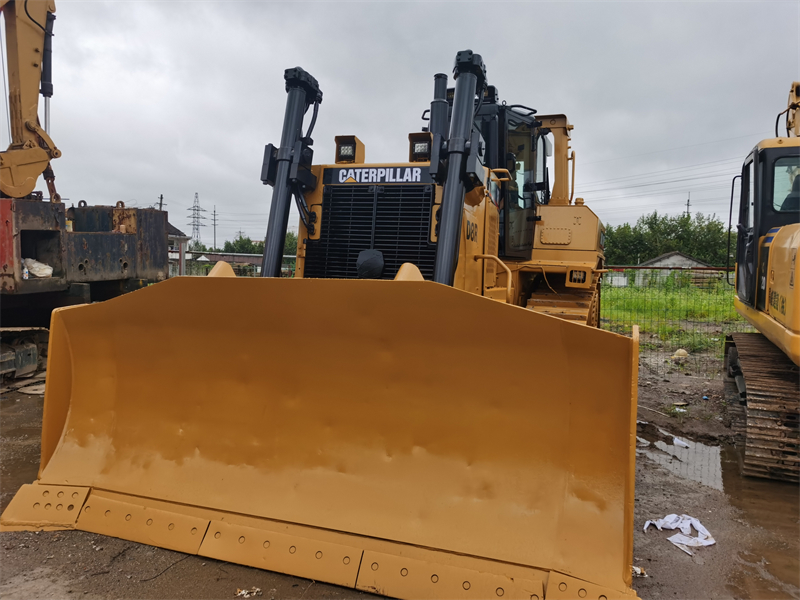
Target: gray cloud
[(175, 98)]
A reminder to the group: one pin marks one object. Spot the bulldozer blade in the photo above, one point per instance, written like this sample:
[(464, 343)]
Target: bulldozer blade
[(399, 437)]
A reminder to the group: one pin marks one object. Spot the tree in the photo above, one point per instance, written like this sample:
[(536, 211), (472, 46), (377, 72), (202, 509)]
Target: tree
[(290, 244), (702, 237), (242, 244), (197, 246)]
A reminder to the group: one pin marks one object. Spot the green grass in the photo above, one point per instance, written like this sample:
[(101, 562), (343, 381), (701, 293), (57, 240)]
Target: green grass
[(673, 314), (711, 305)]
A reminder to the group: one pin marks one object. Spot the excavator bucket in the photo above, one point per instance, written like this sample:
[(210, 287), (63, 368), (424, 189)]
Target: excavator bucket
[(399, 437)]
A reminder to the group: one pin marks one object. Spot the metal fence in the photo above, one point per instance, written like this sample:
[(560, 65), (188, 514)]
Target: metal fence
[(242, 269), (678, 310)]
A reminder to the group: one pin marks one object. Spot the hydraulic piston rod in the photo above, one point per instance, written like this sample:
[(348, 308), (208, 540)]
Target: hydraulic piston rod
[(47, 69), (303, 90), (470, 76)]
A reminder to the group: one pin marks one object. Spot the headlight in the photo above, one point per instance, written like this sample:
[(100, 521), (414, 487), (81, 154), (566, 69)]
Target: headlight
[(349, 149), (419, 147)]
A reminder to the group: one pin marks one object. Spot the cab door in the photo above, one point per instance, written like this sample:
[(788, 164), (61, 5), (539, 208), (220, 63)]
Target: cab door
[(746, 250), (518, 205)]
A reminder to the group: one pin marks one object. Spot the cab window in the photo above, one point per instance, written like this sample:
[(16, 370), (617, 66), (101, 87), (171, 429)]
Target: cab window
[(520, 191), (786, 184), (748, 196)]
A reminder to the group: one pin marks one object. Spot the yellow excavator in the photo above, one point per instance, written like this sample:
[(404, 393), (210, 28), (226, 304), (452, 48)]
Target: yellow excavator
[(427, 410), (764, 366)]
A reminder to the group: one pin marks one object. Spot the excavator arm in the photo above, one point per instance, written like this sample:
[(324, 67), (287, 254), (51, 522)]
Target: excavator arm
[(29, 30)]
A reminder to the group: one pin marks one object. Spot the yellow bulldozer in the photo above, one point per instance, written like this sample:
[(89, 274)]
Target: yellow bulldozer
[(764, 366), (426, 410)]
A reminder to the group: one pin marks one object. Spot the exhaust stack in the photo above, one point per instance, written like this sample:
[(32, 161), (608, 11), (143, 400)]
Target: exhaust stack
[(439, 123)]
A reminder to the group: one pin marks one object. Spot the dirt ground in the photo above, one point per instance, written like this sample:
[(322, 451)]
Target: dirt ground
[(755, 523)]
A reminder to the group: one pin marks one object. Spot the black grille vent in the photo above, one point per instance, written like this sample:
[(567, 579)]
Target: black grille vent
[(394, 219)]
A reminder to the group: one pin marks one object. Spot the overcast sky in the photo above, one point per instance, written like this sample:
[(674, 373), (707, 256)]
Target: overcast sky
[(178, 98)]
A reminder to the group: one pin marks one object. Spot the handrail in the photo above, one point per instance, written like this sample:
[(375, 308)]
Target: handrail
[(572, 187), (509, 299), (730, 222), (493, 175)]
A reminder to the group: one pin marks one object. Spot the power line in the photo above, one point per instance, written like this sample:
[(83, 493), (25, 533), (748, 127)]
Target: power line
[(701, 176), (672, 191), (676, 148), (664, 192), (673, 205), (646, 207), (648, 173)]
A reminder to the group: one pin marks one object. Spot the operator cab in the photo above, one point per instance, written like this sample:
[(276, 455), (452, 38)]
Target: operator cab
[(770, 199), (515, 141)]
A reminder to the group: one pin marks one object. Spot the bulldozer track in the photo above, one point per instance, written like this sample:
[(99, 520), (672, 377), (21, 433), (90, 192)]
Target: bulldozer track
[(772, 409)]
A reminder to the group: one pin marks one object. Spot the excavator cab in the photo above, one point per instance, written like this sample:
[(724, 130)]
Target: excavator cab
[(770, 199)]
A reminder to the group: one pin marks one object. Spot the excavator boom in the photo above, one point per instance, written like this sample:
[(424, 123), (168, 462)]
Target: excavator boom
[(29, 31)]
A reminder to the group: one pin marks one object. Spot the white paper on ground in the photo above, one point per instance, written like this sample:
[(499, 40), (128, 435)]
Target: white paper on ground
[(683, 540)]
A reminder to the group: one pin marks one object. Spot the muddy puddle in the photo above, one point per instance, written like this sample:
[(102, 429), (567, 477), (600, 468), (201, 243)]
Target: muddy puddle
[(769, 568), (683, 457)]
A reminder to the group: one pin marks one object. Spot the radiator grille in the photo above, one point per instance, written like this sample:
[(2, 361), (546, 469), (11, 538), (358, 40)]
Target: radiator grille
[(394, 219)]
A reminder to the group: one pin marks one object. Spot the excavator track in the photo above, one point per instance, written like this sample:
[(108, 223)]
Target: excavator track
[(767, 383)]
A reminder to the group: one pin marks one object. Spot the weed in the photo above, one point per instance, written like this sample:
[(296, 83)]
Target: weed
[(678, 412)]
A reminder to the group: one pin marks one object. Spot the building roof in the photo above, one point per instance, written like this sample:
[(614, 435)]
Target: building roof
[(176, 233), (653, 262)]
